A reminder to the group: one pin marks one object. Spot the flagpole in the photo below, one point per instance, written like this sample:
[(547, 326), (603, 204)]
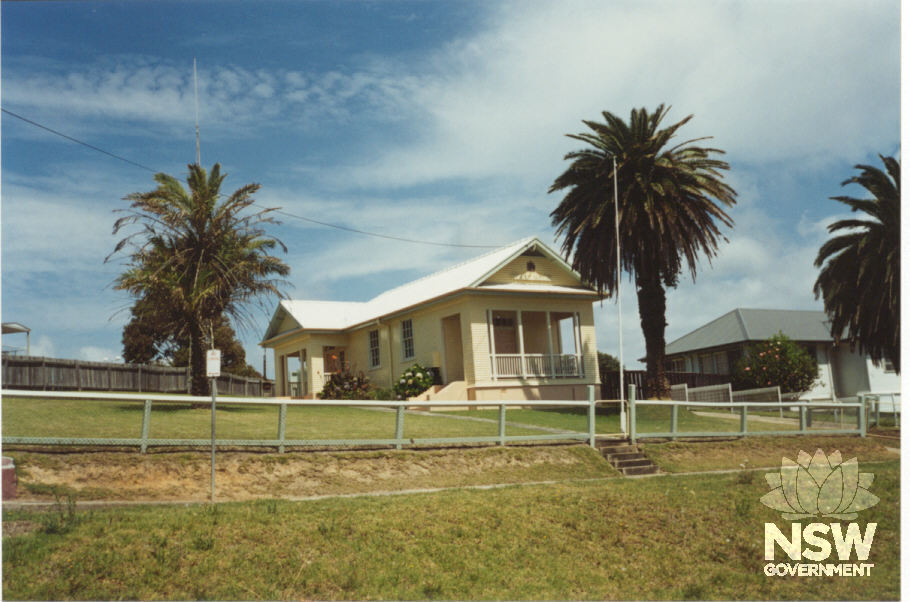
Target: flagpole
[(622, 394)]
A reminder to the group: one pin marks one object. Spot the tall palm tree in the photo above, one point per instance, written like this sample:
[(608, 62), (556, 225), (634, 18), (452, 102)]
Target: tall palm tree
[(669, 208), (201, 256), (861, 268)]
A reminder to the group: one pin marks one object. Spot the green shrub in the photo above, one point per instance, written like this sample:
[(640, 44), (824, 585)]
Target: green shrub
[(381, 394), (413, 381), (778, 361), (346, 385)]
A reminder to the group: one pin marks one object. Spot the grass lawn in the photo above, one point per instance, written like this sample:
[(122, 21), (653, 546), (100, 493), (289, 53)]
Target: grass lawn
[(666, 537), (651, 419), (104, 419)]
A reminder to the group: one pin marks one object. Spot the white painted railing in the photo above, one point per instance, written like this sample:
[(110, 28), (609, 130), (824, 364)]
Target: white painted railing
[(540, 365)]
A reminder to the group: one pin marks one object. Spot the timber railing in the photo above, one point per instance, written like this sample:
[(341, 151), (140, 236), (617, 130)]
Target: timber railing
[(52, 374), (281, 441), (878, 402), (804, 409), (609, 388)]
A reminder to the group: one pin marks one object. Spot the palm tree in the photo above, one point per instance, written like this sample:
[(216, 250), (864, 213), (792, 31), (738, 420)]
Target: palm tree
[(860, 279), (202, 258), (669, 209)]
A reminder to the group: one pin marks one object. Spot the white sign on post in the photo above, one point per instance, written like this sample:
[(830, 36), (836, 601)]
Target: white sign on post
[(213, 363)]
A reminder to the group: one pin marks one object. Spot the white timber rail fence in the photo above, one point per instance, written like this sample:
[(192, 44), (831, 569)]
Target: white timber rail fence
[(761, 405), (889, 402), (281, 441)]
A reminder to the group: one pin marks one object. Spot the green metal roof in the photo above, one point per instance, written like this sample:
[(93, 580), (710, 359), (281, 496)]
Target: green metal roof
[(746, 325)]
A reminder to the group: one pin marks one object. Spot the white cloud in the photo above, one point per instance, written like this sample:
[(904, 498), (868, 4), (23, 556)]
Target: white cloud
[(99, 354), (771, 82), (146, 91), (43, 346)]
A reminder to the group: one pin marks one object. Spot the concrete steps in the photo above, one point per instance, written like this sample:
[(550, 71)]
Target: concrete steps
[(626, 458)]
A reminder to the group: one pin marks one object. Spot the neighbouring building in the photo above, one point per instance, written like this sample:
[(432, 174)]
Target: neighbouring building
[(515, 323), (716, 347)]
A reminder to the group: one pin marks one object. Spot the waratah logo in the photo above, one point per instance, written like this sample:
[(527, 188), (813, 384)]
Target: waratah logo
[(819, 485)]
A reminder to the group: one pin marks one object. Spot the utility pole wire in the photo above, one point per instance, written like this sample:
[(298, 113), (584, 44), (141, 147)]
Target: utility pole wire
[(300, 217), (386, 236), (70, 138)]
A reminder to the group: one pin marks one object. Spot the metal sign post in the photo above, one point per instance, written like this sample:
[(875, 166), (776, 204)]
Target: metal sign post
[(213, 371)]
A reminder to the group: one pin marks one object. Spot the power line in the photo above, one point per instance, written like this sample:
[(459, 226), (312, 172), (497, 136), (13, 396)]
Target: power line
[(70, 138), (300, 217), (386, 236)]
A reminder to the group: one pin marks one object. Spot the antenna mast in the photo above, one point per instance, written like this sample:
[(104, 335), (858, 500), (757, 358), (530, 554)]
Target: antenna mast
[(196, 103)]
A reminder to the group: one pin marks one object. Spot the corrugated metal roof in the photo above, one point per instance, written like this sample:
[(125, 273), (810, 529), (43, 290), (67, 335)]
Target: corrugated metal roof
[(745, 325), (339, 315)]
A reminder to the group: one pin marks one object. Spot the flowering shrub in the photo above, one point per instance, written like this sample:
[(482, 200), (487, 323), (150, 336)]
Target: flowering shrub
[(776, 362), (346, 385), (413, 381)]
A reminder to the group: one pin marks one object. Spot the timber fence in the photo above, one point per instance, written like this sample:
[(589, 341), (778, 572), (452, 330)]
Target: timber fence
[(52, 374), (669, 411), (609, 387), (384, 429)]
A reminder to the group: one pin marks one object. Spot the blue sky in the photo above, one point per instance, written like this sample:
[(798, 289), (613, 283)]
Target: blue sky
[(442, 121)]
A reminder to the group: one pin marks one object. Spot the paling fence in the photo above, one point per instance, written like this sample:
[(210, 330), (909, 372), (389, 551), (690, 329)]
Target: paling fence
[(153, 420), (53, 374), (661, 419)]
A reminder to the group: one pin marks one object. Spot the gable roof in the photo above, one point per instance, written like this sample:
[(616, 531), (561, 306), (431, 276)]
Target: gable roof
[(749, 325), (471, 274)]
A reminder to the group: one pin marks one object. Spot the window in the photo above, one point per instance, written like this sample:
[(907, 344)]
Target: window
[(374, 349), (407, 339)]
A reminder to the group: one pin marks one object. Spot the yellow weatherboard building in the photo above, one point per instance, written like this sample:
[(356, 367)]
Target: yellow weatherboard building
[(515, 323)]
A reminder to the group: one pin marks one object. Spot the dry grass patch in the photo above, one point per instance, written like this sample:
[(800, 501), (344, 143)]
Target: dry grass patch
[(247, 476), (668, 537), (759, 452)]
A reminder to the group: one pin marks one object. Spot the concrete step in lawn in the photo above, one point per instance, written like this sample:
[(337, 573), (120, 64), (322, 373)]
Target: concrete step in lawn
[(626, 458)]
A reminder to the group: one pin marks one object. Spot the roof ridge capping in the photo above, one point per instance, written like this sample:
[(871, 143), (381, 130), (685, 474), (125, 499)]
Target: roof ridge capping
[(518, 243)]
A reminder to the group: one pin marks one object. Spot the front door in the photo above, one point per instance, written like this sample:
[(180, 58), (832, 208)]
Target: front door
[(454, 350)]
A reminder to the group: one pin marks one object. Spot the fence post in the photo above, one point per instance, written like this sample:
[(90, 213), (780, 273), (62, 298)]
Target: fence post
[(146, 418), (674, 420), (878, 411), (861, 417), (399, 426), (282, 425), (591, 417), (802, 419), (632, 413), (502, 424), (742, 420)]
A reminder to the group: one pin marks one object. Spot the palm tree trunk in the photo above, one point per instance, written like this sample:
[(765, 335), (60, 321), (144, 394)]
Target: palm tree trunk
[(200, 385), (652, 310)]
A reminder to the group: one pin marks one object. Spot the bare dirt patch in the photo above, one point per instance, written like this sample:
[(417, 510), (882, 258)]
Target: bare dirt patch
[(757, 452), (15, 528), (247, 476)]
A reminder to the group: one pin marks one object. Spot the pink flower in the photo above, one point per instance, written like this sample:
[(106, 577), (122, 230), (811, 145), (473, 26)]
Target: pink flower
[(748, 368)]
